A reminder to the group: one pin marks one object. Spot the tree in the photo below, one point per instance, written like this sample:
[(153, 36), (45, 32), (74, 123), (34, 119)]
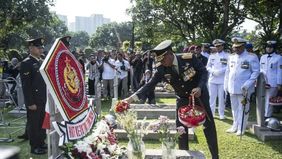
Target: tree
[(111, 35), (189, 19), (79, 40), (269, 16), (16, 14)]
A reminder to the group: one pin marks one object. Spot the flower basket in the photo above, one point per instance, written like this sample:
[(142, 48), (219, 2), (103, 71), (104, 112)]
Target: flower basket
[(192, 115), (275, 101)]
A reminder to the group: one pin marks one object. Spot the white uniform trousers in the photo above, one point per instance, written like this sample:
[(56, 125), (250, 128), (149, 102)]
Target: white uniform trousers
[(237, 111), (271, 92), (216, 90)]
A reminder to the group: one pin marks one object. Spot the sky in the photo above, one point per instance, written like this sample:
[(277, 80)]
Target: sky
[(113, 9)]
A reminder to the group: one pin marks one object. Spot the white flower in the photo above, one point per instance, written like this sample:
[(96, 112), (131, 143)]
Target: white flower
[(163, 119), (112, 148), (180, 130), (155, 126)]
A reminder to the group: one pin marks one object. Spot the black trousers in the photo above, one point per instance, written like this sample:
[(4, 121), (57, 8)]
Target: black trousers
[(150, 96), (35, 119), (91, 90), (209, 127)]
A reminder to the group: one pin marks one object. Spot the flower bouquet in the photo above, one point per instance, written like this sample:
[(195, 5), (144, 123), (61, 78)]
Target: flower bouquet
[(100, 144), (167, 138), (127, 118)]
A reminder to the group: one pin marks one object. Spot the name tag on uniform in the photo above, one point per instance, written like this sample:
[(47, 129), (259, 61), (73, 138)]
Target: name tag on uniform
[(223, 61), (245, 65), (232, 63)]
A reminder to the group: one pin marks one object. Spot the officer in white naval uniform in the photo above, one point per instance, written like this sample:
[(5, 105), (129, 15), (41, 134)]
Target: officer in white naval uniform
[(206, 49), (216, 66), (271, 67), (240, 76)]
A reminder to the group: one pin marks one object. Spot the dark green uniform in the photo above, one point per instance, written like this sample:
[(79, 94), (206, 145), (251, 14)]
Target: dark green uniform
[(34, 90), (183, 85)]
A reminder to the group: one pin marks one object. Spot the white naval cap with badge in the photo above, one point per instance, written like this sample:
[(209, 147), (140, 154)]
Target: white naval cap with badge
[(271, 43), (207, 45), (218, 42), (161, 49), (237, 42)]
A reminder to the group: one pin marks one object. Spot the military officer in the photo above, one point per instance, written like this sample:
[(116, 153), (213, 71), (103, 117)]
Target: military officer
[(271, 67), (216, 67), (206, 49), (34, 91), (241, 73), (187, 75)]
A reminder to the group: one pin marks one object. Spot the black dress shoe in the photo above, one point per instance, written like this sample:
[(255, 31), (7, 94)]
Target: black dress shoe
[(23, 136), (44, 146), (38, 151)]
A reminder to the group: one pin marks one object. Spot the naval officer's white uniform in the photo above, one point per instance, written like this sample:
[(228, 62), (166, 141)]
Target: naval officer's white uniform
[(216, 66), (271, 67), (241, 74)]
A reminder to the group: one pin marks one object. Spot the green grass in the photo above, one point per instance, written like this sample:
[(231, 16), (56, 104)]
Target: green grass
[(230, 146)]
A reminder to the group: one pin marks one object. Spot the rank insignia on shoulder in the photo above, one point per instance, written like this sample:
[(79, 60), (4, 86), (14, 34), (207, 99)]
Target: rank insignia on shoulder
[(158, 64), (26, 73), (187, 56)]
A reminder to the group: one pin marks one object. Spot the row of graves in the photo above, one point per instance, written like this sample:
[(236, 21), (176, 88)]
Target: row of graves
[(76, 129)]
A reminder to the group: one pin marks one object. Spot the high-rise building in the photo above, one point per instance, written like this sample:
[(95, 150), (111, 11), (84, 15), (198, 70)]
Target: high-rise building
[(63, 18), (90, 24), (71, 26)]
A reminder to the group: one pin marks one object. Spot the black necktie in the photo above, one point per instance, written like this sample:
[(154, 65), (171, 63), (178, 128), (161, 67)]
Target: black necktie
[(269, 55)]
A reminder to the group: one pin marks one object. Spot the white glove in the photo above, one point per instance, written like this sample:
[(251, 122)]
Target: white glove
[(244, 90), (215, 73)]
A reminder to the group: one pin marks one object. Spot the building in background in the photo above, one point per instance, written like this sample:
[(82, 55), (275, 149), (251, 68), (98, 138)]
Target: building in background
[(88, 24), (63, 18)]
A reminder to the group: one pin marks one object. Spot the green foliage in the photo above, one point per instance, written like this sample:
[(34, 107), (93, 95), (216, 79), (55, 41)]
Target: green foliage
[(269, 16), (125, 45), (186, 20), (88, 51), (14, 53), (15, 15), (79, 40), (23, 19), (111, 35)]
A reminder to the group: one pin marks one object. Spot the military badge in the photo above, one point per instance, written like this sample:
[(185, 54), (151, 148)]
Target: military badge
[(65, 82), (26, 73), (245, 65), (223, 61), (188, 74)]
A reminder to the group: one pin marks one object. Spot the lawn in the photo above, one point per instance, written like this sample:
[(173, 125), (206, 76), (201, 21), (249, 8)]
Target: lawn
[(230, 146)]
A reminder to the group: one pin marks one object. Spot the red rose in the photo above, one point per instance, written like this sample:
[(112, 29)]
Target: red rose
[(121, 106)]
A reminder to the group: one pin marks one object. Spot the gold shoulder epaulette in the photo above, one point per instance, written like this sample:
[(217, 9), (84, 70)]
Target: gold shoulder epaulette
[(158, 64), (187, 56)]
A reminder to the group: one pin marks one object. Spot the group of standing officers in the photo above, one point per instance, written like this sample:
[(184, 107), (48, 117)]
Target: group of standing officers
[(206, 76)]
